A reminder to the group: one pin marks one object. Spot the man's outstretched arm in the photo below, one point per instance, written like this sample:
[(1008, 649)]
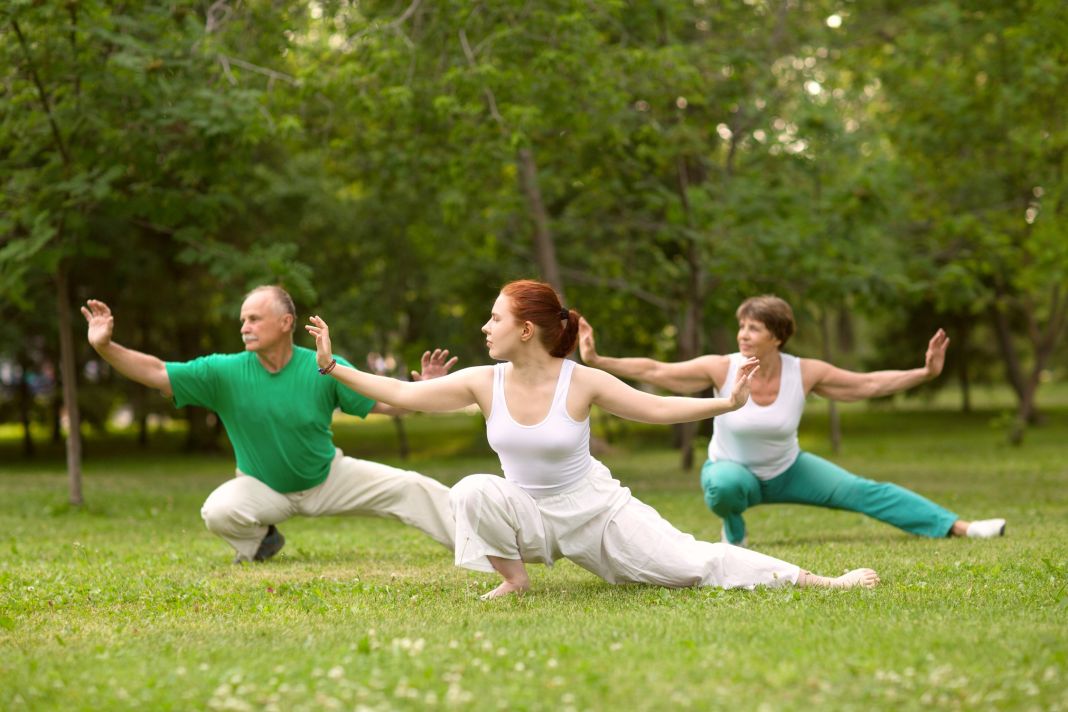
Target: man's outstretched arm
[(143, 368)]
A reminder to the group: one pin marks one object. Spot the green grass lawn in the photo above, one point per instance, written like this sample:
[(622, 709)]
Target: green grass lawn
[(130, 602)]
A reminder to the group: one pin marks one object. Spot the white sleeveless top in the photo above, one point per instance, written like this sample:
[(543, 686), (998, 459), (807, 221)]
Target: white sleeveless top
[(543, 459), (762, 438)]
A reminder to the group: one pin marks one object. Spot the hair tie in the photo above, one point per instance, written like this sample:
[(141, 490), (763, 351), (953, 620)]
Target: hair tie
[(565, 314)]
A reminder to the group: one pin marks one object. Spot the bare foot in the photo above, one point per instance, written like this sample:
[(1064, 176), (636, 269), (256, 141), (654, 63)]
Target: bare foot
[(865, 578), (505, 589)]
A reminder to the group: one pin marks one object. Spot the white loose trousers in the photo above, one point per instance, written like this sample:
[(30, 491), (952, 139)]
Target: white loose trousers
[(598, 525), (240, 509)]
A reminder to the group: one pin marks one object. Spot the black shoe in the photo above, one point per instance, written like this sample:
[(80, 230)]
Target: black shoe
[(272, 543)]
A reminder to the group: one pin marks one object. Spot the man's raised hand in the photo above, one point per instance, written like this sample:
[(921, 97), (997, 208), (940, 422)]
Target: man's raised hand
[(101, 323)]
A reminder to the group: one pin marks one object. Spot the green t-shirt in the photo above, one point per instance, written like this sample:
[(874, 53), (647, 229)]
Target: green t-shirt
[(279, 423)]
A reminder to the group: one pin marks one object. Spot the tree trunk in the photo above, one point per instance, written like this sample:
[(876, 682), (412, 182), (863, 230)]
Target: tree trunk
[(845, 333), (1045, 344), (690, 347), (56, 412), (25, 406), (402, 437), (689, 340), (1003, 332), (139, 403), (139, 395), (70, 388), (833, 418), (963, 374), (1026, 412), (544, 247)]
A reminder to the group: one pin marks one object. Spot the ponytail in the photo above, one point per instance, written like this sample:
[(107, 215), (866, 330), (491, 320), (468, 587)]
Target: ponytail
[(568, 338), (538, 303)]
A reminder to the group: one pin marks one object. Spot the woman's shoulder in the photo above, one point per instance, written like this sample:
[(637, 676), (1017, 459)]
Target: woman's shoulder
[(588, 376), (478, 372)]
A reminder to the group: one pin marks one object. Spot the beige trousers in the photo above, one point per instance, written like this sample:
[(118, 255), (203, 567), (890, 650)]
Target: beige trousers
[(598, 525), (240, 509)]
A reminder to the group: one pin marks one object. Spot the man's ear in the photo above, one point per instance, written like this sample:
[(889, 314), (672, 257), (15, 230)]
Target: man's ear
[(287, 322)]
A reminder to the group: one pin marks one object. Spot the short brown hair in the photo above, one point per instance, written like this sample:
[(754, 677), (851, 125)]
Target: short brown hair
[(772, 312)]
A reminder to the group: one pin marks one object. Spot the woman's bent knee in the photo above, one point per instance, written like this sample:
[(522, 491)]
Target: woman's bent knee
[(726, 487), (472, 487)]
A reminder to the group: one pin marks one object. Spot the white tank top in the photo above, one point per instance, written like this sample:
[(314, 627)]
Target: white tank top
[(543, 459), (761, 437)]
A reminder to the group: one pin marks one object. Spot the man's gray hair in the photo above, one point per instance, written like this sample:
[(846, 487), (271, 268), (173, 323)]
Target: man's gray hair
[(281, 298)]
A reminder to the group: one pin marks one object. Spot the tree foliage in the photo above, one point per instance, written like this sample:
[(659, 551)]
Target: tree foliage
[(392, 163)]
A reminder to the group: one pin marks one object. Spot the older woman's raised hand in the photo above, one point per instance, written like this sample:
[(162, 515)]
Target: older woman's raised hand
[(936, 354), (587, 343)]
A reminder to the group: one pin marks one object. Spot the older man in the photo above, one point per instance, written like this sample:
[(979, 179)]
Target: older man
[(277, 408)]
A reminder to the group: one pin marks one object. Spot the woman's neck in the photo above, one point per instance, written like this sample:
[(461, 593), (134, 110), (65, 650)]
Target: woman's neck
[(770, 366), (534, 364)]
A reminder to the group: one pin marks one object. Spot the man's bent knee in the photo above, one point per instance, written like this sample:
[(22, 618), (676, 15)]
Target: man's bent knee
[(216, 518), (224, 519)]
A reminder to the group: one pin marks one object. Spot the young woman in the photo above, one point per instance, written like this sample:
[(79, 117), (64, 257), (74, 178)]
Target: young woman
[(754, 457), (555, 500)]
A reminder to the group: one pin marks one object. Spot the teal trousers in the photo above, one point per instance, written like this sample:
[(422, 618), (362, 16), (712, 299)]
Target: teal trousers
[(731, 488)]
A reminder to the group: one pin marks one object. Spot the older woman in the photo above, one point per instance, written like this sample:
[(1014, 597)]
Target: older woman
[(754, 456), (555, 500)]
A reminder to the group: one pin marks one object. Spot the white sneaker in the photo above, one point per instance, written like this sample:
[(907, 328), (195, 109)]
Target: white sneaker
[(986, 529), (723, 538)]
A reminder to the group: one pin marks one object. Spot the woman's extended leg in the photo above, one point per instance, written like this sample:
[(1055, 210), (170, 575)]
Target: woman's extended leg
[(813, 480), (628, 541), (643, 547)]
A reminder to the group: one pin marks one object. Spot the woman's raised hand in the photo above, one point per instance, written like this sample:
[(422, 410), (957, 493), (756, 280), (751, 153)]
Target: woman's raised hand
[(935, 358), (740, 391), (323, 351), (587, 344)]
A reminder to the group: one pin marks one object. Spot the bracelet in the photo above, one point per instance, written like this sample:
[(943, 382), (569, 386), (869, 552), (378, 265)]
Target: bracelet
[(325, 370)]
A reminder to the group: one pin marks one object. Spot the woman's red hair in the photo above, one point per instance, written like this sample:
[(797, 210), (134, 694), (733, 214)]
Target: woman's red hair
[(538, 303)]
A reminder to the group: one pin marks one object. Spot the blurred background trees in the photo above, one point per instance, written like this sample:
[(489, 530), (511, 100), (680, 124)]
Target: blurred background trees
[(887, 167)]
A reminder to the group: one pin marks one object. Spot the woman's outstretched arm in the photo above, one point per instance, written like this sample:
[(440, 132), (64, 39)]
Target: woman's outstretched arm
[(691, 376), (457, 390), (829, 381), (618, 398)]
